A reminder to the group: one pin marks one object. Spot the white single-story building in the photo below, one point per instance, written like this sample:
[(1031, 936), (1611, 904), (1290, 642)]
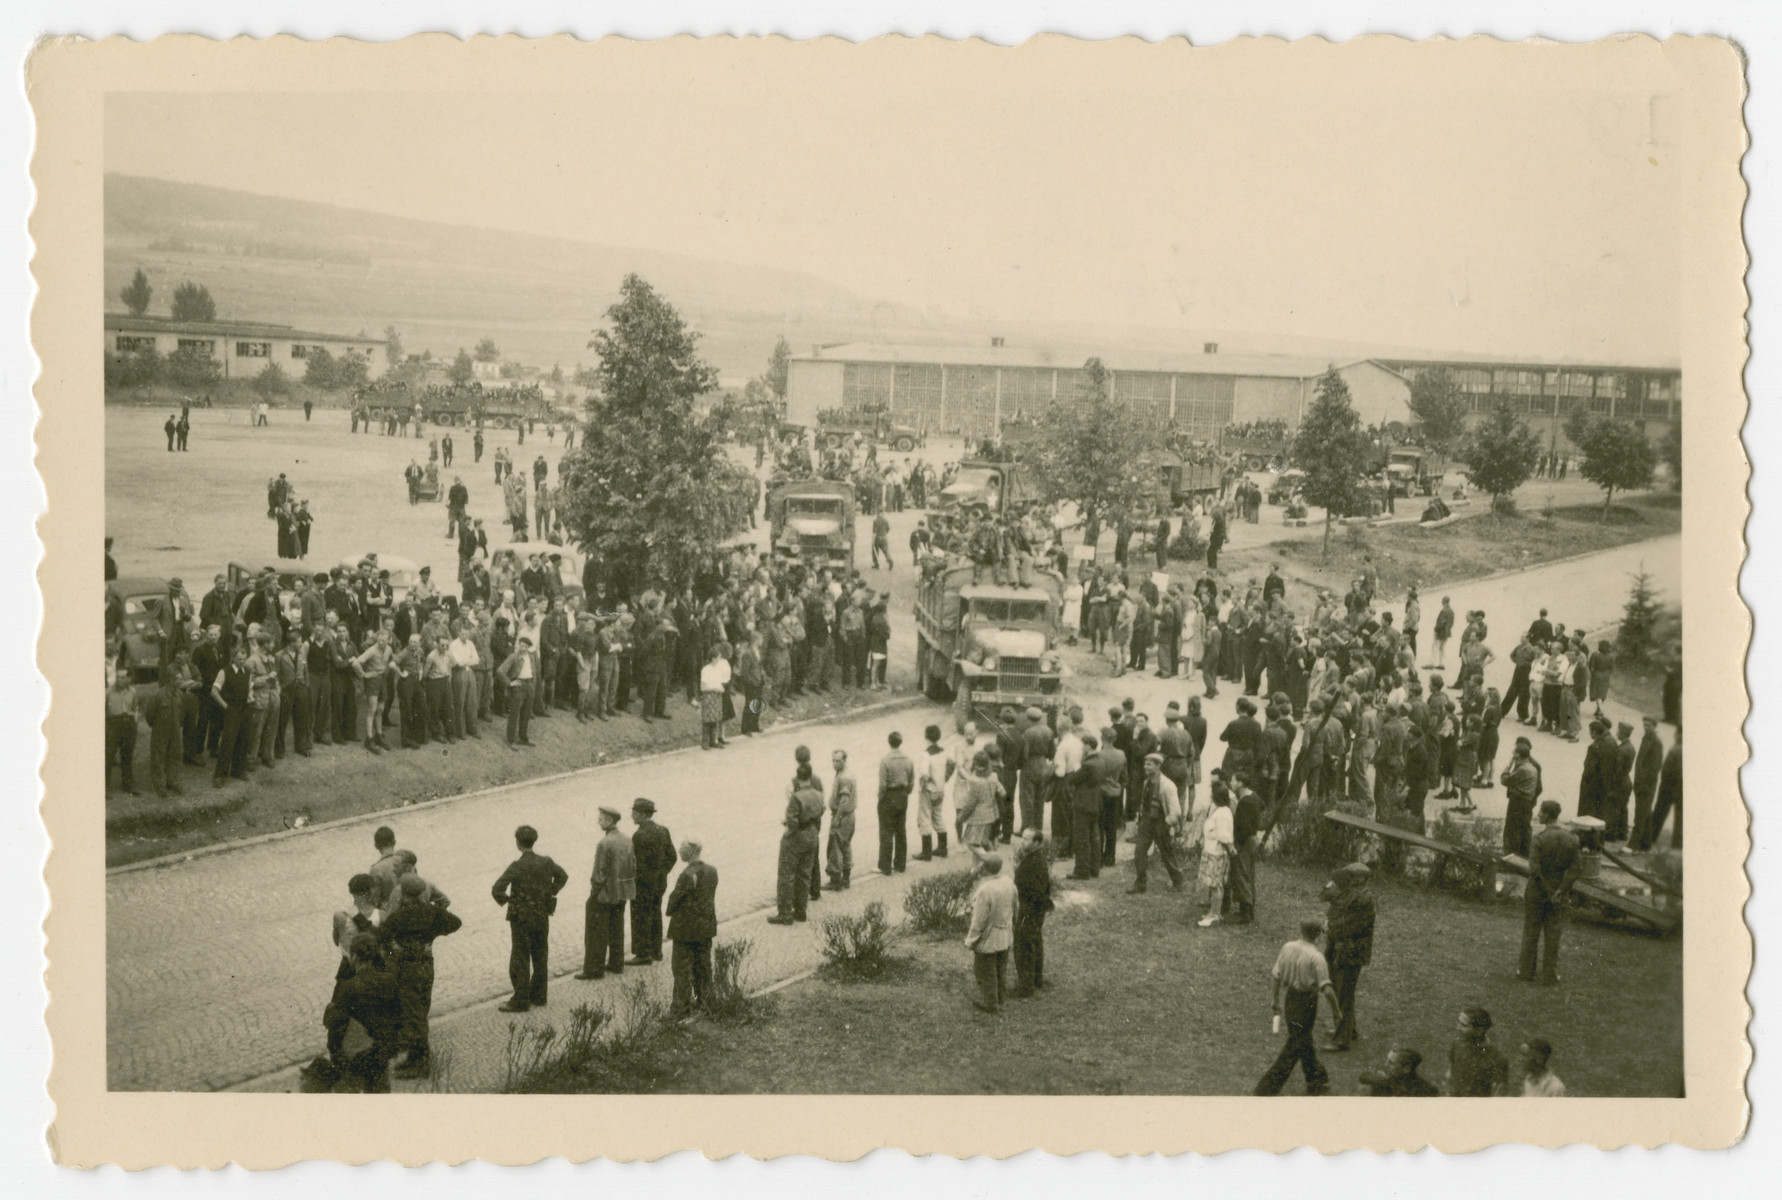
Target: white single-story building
[(242, 348)]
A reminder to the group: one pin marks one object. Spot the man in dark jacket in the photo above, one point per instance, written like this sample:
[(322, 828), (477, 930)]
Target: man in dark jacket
[(1033, 900), (1553, 866), (1102, 765), (1246, 834), (528, 889), (407, 934), (654, 850), (692, 925), (367, 996), (1594, 786), (1647, 764), (1621, 768), (1670, 793), (1349, 942), (1400, 1078)]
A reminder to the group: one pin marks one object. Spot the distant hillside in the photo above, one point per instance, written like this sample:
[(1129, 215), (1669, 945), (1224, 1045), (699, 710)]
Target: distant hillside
[(444, 286)]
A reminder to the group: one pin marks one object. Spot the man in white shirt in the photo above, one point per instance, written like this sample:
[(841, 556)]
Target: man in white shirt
[(465, 661), (933, 771), (1066, 761)]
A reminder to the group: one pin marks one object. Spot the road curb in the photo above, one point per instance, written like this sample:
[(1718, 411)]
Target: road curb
[(383, 814)]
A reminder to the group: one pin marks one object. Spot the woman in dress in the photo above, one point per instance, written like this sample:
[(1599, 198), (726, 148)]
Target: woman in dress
[(1215, 851), (977, 802), (714, 680), (1488, 721), (1193, 635), (1466, 761)]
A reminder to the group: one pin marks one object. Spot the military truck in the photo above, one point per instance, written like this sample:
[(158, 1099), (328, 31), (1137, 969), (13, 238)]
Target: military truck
[(812, 520), (996, 485), (1176, 479), (1415, 469), (836, 426), (986, 645)]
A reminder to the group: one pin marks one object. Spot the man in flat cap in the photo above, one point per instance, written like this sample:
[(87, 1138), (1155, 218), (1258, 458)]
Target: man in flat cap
[(1159, 821), (519, 675), (1349, 943), (653, 850), (612, 886)]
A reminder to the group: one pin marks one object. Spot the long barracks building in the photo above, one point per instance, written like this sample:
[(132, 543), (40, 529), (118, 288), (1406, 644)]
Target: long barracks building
[(972, 390)]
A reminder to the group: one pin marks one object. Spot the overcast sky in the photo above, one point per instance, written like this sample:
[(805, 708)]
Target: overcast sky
[(1541, 224)]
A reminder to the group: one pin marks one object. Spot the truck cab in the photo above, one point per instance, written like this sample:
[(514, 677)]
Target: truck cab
[(813, 520), (1412, 469), (995, 485), (989, 644)]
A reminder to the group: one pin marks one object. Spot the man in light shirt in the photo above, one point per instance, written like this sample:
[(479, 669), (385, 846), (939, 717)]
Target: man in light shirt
[(932, 775), (844, 801), (1300, 976), (1066, 761), (1538, 1078), (464, 663), (992, 930)]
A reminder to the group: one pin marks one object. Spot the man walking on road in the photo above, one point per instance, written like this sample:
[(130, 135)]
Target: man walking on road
[(692, 927), (528, 890), (612, 886), (653, 849), (897, 775), (1553, 865)]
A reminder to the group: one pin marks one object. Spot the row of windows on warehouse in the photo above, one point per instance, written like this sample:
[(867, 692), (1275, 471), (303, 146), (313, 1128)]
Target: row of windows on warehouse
[(975, 401)]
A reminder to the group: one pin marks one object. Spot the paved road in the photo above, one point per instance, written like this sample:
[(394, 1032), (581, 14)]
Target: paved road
[(219, 967)]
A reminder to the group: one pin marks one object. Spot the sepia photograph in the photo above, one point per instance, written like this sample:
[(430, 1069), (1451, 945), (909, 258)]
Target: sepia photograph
[(1172, 589)]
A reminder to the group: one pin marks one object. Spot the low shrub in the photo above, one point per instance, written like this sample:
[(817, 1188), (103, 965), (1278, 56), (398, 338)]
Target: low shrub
[(727, 992), (857, 947), (940, 904), (1303, 834)]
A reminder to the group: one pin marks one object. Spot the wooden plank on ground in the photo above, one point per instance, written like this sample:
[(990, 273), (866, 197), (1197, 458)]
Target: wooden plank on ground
[(1414, 839), (1651, 881), (1664, 922)]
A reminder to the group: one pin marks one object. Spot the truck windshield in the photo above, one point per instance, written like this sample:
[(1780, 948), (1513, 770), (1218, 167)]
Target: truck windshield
[(812, 506)]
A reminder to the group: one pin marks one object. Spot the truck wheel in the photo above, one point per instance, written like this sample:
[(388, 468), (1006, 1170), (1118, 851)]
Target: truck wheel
[(904, 445), (962, 709), (833, 441)]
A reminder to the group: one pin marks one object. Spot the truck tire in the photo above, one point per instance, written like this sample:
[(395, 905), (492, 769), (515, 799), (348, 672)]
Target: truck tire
[(833, 441), (904, 445)]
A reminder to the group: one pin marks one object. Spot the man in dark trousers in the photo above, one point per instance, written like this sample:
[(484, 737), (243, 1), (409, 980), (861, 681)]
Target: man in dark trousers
[(1349, 943), (1300, 976), (1037, 750), (528, 890), (1033, 900), (1670, 793), (1553, 866), (1522, 787), (368, 996), (798, 844), (408, 935), (172, 428), (1594, 785), (1647, 764), (611, 887), (653, 849), (229, 693), (692, 926), (897, 776), (1102, 774), (1621, 768), (1159, 822), (1246, 833), (457, 501)]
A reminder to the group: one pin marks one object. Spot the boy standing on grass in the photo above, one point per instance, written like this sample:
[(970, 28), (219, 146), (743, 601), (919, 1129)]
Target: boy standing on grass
[(1300, 976)]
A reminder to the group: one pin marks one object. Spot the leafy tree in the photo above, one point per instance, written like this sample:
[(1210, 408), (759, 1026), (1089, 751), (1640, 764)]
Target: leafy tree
[(1333, 450), (779, 369), (191, 367), (192, 302), (1083, 453), (318, 369), (1670, 452), (488, 351), (1437, 404), (136, 295), (352, 370), (557, 374), (136, 369), (1614, 455), (393, 346), (462, 370), (649, 492), (510, 370), (272, 381), (1501, 454)]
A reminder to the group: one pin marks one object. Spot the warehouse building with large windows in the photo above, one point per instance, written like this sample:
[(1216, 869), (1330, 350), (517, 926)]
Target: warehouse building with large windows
[(974, 391)]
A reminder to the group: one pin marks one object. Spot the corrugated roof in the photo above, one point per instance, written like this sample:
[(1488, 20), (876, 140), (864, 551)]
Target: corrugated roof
[(1170, 362), (129, 323)]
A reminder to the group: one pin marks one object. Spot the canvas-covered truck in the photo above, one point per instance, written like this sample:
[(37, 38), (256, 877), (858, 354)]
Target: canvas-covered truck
[(1414, 470), (836, 426), (987, 645), (1177, 479), (813, 520), (995, 485)]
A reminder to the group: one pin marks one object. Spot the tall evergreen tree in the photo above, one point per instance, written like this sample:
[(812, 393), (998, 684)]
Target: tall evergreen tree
[(1333, 450), (488, 351), (136, 294), (393, 346), (648, 492), (779, 370), (462, 370)]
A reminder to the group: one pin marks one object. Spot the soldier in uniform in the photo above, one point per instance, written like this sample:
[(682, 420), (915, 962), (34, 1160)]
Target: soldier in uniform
[(798, 845), (528, 890), (1554, 864), (408, 935), (653, 850)]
